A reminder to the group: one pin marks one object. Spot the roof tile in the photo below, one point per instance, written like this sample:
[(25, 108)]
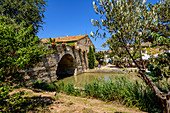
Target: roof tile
[(66, 39)]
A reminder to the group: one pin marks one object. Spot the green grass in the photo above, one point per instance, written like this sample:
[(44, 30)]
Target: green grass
[(123, 88), (69, 103), (129, 93)]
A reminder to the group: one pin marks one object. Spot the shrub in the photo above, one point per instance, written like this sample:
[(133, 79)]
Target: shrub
[(45, 86)]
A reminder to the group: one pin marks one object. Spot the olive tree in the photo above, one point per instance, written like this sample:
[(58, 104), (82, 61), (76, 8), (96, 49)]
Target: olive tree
[(129, 23)]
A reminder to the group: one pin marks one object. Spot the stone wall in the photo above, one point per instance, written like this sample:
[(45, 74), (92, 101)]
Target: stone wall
[(84, 43), (64, 61)]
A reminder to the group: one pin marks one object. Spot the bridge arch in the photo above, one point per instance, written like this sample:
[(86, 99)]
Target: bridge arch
[(64, 62), (66, 66)]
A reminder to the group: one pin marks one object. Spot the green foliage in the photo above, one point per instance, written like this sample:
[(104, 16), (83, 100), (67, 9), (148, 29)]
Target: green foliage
[(161, 41), (4, 94), (20, 49), (68, 43), (122, 89), (69, 103), (96, 63), (12, 103), (116, 48), (91, 58), (18, 104), (93, 90), (99, 56), (45, 86), (50, 40), (160, 66), (29, 11), (130, 23), (68, 89)]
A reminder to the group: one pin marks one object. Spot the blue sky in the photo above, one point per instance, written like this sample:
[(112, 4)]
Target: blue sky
[(70, 17)]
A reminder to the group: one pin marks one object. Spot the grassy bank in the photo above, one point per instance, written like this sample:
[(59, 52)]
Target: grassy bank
[(118, 88)]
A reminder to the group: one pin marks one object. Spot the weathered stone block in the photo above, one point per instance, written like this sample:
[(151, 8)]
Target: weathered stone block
[(61, 62)]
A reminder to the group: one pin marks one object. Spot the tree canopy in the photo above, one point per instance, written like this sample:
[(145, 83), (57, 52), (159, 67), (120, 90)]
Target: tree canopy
[(99, 56), (30, 11), (20, 48), (130, 23)]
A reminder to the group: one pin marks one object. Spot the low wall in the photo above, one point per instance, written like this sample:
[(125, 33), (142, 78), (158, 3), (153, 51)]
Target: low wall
[(105, 71)]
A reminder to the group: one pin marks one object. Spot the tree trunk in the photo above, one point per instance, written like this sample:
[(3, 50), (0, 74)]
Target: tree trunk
[(165, 98), (166, 104)]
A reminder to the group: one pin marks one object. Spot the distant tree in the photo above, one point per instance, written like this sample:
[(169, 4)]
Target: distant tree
[(131, 22), (91, 59), (30, 11), (99, 56)]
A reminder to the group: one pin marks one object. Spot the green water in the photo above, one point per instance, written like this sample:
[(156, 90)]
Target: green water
[(81, 79)]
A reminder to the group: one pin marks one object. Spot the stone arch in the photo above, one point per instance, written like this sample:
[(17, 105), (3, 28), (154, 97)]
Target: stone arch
[(66, 66)]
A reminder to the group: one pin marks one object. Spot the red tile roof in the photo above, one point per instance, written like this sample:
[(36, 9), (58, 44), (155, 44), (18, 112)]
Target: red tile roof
[(144, 44), (66, 39)]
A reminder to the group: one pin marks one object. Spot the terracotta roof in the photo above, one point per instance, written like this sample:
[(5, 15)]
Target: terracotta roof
[(66, 39), (144, 44)]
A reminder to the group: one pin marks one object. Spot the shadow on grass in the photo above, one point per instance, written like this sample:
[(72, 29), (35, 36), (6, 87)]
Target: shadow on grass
[(27, 104)]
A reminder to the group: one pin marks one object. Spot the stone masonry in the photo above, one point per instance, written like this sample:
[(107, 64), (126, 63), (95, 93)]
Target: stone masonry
[(65, 61)]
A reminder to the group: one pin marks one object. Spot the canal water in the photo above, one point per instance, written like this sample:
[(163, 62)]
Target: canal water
[(81, 79)]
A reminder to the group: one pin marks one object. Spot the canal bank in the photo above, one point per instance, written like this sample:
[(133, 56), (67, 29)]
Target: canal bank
[(118, 71), (111, 69)]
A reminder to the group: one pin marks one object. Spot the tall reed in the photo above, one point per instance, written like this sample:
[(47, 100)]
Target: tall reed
[(119, 88), (127, 92)]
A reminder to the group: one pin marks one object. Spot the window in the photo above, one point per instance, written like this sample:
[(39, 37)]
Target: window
[(86, 41)]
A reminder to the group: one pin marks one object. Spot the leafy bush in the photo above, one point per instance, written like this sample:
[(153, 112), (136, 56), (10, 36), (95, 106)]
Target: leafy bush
[(45, 86), (20, 49)]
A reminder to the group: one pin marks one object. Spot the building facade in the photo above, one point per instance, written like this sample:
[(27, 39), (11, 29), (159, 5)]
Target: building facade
[(82, 41)]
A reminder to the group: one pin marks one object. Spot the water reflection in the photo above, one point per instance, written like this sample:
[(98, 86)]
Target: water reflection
[(81, 79), (106, 78)]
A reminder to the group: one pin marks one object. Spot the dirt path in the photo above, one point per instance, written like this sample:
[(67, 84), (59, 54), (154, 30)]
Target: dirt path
[(71, 104)]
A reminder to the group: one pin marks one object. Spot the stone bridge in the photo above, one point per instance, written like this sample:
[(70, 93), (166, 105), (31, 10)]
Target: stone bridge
[(65, 61)]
